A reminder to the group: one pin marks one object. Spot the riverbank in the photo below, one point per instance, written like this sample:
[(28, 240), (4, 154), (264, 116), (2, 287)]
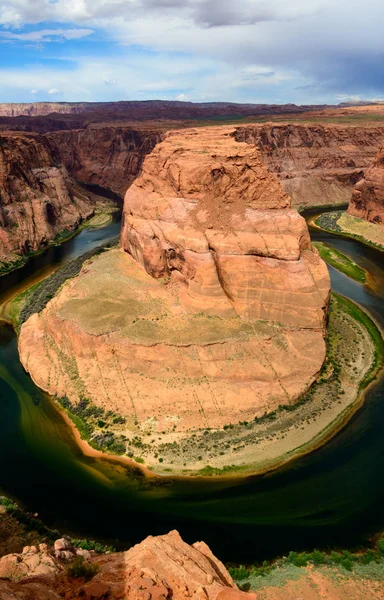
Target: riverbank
[(341, 223), (102, 216), (354, 356), (341, 262)]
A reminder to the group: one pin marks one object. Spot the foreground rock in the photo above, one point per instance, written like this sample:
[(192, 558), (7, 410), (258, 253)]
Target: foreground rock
[(38, 197), (367, 200), (159, 568)]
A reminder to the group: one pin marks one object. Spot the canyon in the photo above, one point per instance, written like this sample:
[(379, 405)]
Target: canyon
[(317, 164), (215, 294), (38, 198), (367, 200)]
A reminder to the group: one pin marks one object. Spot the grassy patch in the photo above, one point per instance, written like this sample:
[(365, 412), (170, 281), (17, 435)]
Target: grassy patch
[(49, 286), (346, 225), (362, 317), (260, 575), (341, 262), (82, 569)]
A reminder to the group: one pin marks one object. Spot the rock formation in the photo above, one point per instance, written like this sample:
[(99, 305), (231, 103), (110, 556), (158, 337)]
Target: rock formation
[(226, 320), (316, 164), (159, 568), (367, 200), (106, 155), (38, 199), (148, 109)]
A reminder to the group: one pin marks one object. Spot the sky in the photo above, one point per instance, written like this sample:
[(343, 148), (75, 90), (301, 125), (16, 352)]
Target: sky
[(256, 51)]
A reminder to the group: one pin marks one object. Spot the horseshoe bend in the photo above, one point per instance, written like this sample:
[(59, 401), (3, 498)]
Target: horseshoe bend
[(211, 312)]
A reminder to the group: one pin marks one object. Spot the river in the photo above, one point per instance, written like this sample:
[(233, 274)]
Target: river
[(331, 498)]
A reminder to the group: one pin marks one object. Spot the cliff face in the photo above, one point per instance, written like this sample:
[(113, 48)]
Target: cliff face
[(105, 155), (316, 164), (38, 198), (226, 320), (368, 196)]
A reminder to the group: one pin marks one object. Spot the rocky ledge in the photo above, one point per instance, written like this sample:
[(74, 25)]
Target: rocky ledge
[(215, 310), (367, 200), (159, 568)]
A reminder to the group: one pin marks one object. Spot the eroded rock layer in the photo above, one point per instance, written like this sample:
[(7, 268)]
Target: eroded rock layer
[(316, 164), (38, 199), (159, 568), (226, 319), (106, 155), (367, 200)]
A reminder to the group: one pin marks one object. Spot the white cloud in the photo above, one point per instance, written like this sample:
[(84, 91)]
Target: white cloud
[(33, 92), (251, 49), (47, 35), (182, 98), (53, 92)]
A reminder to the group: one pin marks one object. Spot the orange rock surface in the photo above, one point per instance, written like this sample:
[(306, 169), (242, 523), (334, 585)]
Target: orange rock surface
[(367, 200), (38, 199), (226, 320), (156, 569)]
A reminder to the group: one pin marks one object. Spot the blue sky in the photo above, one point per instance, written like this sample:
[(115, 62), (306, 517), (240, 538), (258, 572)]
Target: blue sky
[(304, 51)]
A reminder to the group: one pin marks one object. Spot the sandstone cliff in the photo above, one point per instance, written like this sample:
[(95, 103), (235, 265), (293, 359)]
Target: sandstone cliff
[(159, 568), (38, 199), (367, 200), (316, 164), (226, 320), (106, 155)]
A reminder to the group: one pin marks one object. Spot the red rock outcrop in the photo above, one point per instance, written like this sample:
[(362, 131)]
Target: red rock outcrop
[(316, 164), (106, 155), (159, 568), (367, 200), (227, 320), (38, 198), (206, 209)]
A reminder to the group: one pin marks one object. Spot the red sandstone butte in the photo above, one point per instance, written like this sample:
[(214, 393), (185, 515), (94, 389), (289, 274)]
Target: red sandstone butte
[(212, 312)]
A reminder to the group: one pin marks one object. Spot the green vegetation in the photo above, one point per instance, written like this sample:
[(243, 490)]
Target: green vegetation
[(93, 422), (251, 576), (32, 523), (82, 569), (341, 262), (333, 221), (47, 288), (362, 317)]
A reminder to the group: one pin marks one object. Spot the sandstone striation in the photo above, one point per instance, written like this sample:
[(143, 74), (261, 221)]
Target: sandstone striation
[(159, 568), (316, 164), (106, 155), (367, 200), (38, 198), (225, 321)]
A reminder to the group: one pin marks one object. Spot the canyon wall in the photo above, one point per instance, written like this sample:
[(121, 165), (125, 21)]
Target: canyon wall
[(149, 109), (106, 155), (368, 196), (316, 164), (38, 198), (226, 320)]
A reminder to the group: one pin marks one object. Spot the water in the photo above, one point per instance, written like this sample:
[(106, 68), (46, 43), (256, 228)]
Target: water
[(332, 497)]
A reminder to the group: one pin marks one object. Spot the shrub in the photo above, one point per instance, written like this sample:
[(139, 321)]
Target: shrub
[(239, 573), (81, 568)]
